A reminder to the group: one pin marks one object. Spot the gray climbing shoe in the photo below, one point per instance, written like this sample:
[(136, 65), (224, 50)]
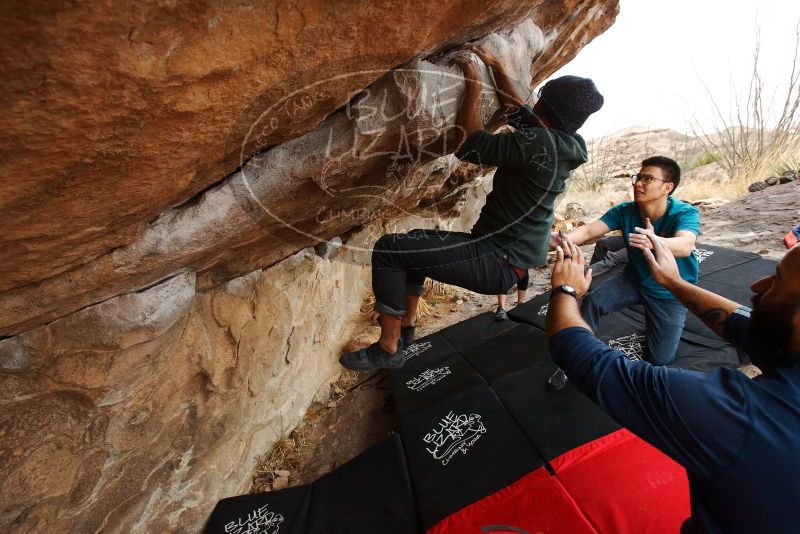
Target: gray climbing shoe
[(373, 357), (500, 314)]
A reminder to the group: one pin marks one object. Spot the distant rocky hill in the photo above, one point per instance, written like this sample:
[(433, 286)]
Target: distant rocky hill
[(620, 153), (604, 180)]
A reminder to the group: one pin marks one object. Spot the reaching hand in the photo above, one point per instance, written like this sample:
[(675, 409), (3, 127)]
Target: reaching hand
[(568, 268), (556, 240), (467, 67), (661, 261), (643, 239), (488, 58)]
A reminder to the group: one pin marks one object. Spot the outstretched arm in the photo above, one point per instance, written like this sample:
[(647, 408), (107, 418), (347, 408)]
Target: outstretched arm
[(507, 93), (712, 309), (469, 120), (694, 417), (519, 149), (581, 234)]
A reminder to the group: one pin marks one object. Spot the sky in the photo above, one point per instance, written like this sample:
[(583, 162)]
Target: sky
[(652, 64)]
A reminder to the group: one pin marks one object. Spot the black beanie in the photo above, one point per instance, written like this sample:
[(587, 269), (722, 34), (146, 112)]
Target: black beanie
[(569, 100)]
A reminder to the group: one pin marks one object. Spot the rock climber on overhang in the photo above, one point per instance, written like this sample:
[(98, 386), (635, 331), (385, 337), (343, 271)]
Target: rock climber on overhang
[(512, 233)]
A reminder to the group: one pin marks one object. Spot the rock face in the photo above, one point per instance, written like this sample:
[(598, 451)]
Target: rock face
[(127, 423), (162, 317), (167, 100), (137, 414)]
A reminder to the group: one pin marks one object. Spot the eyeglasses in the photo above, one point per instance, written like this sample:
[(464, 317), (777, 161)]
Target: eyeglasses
[(645, 178)]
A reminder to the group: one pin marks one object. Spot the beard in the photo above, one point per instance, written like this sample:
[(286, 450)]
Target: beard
[(770, 333)]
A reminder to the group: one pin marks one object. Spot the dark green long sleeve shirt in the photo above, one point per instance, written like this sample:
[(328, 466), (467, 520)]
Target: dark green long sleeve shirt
[(532, 167)]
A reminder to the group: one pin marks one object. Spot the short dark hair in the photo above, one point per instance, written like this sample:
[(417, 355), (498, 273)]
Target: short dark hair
[(670, 168)]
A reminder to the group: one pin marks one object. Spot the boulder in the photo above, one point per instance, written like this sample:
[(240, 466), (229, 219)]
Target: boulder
[(134, 136), (573, 210), (709, 203)]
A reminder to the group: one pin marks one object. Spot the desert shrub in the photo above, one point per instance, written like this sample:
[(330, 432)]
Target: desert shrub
[(756, 135)]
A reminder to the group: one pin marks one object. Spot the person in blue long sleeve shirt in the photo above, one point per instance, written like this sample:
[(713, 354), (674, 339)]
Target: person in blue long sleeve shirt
[(739, 439)]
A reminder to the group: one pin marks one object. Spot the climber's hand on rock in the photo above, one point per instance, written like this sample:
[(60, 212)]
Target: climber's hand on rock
[(467, 67), (488, 58)]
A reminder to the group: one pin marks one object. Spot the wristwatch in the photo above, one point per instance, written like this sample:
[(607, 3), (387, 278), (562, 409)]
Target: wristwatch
[(564, 288)]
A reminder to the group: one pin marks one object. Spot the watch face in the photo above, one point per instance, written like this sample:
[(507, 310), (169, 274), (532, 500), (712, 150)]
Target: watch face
[(568, 289)]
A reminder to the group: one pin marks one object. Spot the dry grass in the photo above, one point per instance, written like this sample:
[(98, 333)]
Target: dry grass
[(754, 140), (757, 139), (434, 291), (291, 451), (282, 456), (701, 189), (592, 176)]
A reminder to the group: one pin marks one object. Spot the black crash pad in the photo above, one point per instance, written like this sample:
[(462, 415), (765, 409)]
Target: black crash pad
[(622, 332), (371, 493), (554, 421), (699, 357), (283, 511), (533, 312), (742, 275), (694, 330), (625, 331), (510, 351), (427, 351), (463, 449), (712, 258), (475, 330), (417, 387)]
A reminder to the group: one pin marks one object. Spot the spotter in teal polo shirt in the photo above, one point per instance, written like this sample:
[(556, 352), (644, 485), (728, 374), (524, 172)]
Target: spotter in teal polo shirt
[(679, 216)]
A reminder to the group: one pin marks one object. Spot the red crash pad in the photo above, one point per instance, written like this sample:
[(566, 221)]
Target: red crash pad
[(535, 503), (624, 485)]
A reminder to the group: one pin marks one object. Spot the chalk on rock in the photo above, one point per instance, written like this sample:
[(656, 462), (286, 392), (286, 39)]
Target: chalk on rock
[(328, 249)]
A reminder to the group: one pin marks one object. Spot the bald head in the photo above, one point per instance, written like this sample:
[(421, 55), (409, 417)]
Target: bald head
[(792, 260), (775, 324)]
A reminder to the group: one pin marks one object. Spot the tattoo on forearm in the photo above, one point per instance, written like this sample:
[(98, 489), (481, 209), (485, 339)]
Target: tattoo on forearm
[(714, 316)]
